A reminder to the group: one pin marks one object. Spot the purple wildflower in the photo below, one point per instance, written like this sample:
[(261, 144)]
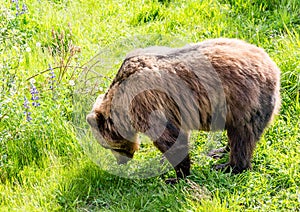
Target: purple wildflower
[(18, 9), (24, 8), (26, 112), (34, 95), (26, 103), (28, 117), (52, 76)]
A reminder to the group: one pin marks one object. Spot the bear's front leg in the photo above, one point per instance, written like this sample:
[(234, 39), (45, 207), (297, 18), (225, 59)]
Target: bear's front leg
[(182, 170), (174, 145)]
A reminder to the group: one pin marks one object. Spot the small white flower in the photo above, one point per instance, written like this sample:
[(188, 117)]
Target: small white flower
[(71, 82), (38, 44), (32, 81), (28, 49), (101, 89)]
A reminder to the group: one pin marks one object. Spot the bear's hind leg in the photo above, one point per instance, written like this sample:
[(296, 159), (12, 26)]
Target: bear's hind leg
[(242, 142)]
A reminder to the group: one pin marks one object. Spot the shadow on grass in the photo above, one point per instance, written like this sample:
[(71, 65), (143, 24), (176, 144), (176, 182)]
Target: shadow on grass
[(86, 187)]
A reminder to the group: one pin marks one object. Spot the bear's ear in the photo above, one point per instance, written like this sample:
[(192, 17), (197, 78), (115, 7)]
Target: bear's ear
[(92, 119), (98, 101), (101, 108)]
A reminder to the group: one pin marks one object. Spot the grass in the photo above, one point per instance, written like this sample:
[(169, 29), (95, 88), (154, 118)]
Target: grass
[(44, 167)]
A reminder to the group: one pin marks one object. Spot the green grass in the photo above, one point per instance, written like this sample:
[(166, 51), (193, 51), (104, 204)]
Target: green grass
[(43, 167)]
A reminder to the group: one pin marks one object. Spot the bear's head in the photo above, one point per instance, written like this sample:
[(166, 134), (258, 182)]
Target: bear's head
[(107, 135)]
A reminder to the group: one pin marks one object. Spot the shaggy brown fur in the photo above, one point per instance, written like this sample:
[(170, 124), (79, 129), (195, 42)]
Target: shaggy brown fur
[(165, 93)]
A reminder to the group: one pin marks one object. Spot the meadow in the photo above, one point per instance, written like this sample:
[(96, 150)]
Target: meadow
[(46, 47)]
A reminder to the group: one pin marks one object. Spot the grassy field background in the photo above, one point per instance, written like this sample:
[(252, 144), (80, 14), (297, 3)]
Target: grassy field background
[(44, 47)]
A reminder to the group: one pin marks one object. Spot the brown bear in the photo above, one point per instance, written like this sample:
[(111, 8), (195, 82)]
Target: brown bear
[(218, 84)]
